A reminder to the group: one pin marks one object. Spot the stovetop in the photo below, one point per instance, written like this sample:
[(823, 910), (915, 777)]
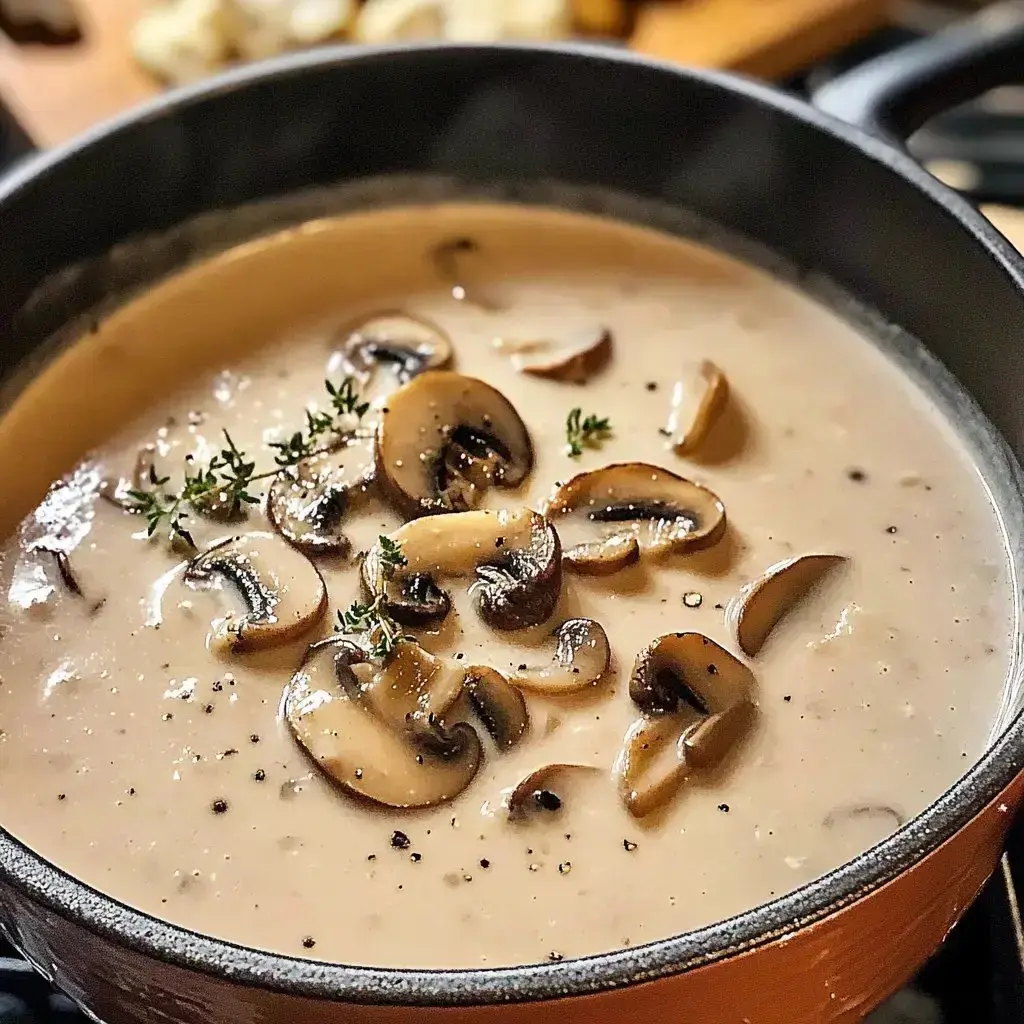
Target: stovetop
[(978, 975)]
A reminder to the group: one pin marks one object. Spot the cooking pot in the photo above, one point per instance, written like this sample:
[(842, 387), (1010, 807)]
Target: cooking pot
[(205, 167)]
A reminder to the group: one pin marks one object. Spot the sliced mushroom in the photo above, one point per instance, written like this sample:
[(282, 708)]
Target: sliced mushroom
[(283, 593), (581, 657), (701, 700), (543, 791), (698, 398), (143, 478), (582, 356), (413, 684), (396, 340), (417, 766), (498, 704), (515, 555), (663, 512), (759, 606), (307, 502), (603, 557), (688, 671), (432, 415), (450, 260), (649, 768)]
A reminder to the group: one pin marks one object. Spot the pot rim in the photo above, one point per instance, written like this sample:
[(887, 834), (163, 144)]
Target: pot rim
[(79, 903)]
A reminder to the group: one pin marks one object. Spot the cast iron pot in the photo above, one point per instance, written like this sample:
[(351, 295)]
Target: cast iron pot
[(842, 203)]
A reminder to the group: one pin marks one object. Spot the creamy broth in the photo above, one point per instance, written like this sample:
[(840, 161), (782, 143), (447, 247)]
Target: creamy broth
[(161, 772)]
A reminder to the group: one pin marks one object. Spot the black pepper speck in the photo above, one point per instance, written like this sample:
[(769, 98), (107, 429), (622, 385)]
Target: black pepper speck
[(484, 863), (208, 709), (259, 775), (858, 476), (400, 841), (724, 808), (628, 845), (890, 529), (308, 942), (254, 738), (415, 857), (219, 806)]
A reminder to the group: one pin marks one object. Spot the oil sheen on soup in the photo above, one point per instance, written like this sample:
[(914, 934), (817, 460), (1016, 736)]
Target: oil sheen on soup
[(469, 585)]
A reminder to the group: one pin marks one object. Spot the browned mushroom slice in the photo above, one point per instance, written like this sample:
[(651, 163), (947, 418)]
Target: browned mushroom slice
[(758, 607), (435, 422), (688, 671), (283, 593), (650, 768), (545, 789), (662, 511), (515, 556), (413, 683), (396, 340), (498, 704), (417, 766), (582, 356), (701, 698), (580, 658), (698, 398), (307, 502)]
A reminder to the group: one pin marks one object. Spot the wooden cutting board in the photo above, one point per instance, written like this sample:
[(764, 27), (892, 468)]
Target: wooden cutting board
[(57, 92)]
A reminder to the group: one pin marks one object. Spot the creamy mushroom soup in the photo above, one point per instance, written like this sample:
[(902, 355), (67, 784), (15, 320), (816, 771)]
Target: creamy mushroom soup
[(476, 585)]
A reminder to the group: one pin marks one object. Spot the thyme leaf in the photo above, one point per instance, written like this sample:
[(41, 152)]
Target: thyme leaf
[(585, 432)]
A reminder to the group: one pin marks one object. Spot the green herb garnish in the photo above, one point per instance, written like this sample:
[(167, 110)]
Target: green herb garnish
[(374, 620), (586, 432), (223, 484)]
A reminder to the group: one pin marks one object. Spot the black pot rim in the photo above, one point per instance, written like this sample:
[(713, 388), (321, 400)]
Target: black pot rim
[(57, 891)]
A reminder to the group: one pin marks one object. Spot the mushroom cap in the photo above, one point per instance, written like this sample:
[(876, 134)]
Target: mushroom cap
[(498, 704), (663, 511), (283, 592), (576, 361), (392, 338), (418, 765), (515, 556), (527, 796), (759, 606), (581, 657), (307, 502), (425, 419), (688, 672)]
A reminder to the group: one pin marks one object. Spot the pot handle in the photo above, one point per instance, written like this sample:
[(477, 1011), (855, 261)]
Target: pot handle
[(893, 95)]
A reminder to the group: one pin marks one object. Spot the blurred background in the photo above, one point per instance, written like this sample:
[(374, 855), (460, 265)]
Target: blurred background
[(66, 64)]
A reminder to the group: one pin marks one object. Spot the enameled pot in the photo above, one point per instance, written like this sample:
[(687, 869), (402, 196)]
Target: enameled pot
[(104, 215)]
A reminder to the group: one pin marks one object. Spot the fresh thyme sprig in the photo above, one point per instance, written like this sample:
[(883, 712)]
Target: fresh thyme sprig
[(581, 432), (374, 620), (223, 484)]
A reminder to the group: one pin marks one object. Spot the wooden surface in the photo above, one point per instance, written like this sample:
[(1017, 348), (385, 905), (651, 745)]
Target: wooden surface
[(57, 92), (768, 38)]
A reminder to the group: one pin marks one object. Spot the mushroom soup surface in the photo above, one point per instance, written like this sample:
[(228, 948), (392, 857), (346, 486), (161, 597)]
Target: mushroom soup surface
[(607, 587)]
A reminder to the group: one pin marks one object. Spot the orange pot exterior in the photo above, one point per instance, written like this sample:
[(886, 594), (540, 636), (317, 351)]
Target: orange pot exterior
[(831, 972)]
